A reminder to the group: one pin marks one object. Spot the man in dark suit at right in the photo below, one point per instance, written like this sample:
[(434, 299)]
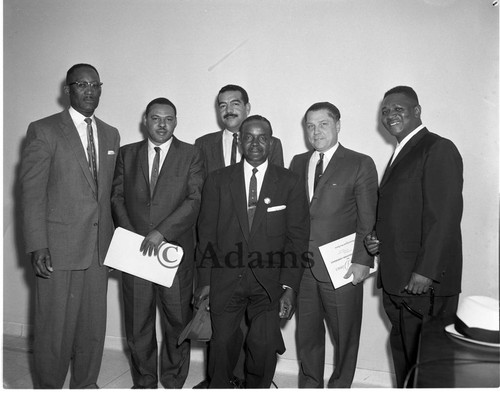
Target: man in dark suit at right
[(254, 231), (418, 227), (220, 148)]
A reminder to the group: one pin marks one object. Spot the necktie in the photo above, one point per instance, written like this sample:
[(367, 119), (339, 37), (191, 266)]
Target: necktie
[(155, 170), (91, 153), (234, 148), (319, 170), (252, 197)]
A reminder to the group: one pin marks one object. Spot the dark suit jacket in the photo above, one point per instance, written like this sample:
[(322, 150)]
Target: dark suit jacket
[(211, 146), (419, 213), (344, 202), (175, 204), (275, 247), (62, 210)]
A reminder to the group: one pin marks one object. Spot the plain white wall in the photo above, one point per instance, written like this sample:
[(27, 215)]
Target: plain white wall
[(287, 54)]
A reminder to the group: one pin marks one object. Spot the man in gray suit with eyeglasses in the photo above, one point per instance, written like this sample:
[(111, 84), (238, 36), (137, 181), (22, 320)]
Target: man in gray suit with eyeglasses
[(67, 168)]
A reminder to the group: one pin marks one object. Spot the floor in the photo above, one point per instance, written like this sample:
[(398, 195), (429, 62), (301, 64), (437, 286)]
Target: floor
[(115, 372)]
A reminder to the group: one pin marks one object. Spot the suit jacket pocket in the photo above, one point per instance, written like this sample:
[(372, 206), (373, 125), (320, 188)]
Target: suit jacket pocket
[(276, 222)]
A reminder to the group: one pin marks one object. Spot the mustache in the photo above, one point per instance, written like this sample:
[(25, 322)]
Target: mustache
[(230, 115)]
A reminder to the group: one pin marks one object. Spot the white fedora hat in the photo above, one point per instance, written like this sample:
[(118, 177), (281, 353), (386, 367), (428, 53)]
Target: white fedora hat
[(477, 321)]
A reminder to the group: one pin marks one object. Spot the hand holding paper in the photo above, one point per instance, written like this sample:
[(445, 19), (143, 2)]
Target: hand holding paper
[(125, 254), (337, 256)]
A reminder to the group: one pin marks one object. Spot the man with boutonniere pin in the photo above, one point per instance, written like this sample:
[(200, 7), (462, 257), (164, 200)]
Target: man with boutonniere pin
[(253, 237)]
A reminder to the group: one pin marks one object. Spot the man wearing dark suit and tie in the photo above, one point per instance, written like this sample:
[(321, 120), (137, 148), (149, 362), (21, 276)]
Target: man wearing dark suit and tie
[(66, 174), (156, 193), (253, 235), (342, 188), (220, 148), (418, 227)]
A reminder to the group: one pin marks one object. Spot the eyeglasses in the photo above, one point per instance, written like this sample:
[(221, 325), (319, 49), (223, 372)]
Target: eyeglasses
[(83, 85)]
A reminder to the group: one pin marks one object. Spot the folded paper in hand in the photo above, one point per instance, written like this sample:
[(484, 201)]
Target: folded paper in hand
[(337, 256), (124, 255)]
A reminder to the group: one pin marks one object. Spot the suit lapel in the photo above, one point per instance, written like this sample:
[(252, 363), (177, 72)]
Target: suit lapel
[(238, 194), (217, 150), (406, 149), (267, 190), (103, 152), (306, 173), (71, 133), (143, 161)]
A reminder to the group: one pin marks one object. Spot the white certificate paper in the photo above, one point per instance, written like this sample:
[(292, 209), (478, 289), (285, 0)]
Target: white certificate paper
[(337, 256), (124, 255)]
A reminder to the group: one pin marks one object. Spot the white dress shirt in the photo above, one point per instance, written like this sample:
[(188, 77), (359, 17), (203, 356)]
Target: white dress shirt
[(152, 153), (247, 168), (405, 140), (312, 166), (227, 145), (81, 127)]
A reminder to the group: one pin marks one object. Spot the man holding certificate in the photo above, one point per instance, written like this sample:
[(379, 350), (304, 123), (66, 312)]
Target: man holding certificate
[(342, 188), (157, 194)]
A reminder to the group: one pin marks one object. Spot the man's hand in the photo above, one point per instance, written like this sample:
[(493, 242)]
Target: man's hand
[(200, 294), (418, 284), (151, 243), (372, 243), (360, 272), (287, 303), (42, 265)]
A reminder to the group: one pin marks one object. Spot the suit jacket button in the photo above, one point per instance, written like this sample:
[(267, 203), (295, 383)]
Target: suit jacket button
[(148, 204), (240, 275), (95, 224)]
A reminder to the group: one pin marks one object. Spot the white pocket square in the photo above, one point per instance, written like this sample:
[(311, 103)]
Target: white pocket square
[(111, 152), (276, 208)]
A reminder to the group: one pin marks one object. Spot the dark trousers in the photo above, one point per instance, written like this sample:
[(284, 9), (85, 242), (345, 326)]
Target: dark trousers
[(263, 339), (141, 299), (70, 326), (342, 309), (407, 315)]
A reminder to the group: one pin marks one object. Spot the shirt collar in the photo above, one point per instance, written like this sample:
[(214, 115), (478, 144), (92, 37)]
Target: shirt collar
[(77, 117), (248, 168), (411, 135), (164, 146), (228, 133), (329, 153)]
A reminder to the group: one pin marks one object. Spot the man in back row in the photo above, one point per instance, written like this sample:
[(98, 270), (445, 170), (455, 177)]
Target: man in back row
[(220, 148)]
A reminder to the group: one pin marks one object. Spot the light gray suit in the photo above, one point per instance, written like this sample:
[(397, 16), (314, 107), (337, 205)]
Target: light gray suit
[(64, 212)]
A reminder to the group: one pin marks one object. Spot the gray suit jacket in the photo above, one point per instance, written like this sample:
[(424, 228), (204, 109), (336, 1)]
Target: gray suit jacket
[(344, 202), (62, 210)]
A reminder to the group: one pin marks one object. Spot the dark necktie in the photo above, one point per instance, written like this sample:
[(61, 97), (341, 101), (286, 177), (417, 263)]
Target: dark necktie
[(155, 170), (234, 148), (252, 197), (319, 170), (91, 149)]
